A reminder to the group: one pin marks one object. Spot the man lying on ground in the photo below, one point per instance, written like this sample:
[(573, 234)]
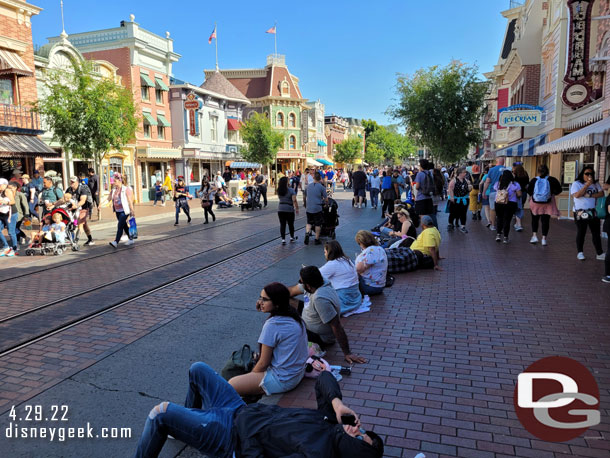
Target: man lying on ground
[(215, 421)]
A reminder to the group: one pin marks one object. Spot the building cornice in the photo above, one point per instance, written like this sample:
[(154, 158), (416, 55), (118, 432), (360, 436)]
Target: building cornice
[(14, 45), (200, 90), (21, 5)]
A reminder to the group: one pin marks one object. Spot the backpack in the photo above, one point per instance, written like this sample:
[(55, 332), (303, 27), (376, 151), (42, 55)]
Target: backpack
[(502, 196), (241, 362), (87, 192), (387, 183), (427, 187), (542, 190)]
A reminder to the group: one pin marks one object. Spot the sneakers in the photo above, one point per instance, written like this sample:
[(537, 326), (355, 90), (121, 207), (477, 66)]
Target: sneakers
[(450, 227), (601, 257), (9, 253), (3, 252), (294, 239), (606, 279), (283, 241), (464, 230), (306, 241), (544, 242), (498, 238), (113, 244), (317, 242), (176, 223), (488, 225), (505, 240), (519, 228), (534, 239), (206, 222), (580, 256), (189, 220), (89, 242), (129, 242), (124, 238), (493, 228)]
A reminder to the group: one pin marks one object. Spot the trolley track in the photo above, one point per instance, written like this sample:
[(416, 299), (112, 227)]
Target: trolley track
[(30, 326)]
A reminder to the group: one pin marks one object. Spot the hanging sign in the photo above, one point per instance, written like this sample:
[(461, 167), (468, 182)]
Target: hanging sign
[(192, 105), (520, 116), (577, 92)]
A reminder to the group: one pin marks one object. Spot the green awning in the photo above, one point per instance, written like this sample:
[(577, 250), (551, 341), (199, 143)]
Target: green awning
[(324, 161), (160, 84), (148, 119), (145, 80), (163, 120)]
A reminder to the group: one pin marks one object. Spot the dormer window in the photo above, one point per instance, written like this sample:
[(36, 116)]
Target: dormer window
[(285, 88)]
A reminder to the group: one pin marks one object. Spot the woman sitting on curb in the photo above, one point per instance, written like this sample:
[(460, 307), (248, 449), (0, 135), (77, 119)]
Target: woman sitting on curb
[(283, 347), (371, 264), (341, 272)]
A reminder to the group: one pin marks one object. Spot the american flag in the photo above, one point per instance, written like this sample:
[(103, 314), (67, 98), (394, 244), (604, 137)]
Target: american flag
[(271, 30), (212, 36)]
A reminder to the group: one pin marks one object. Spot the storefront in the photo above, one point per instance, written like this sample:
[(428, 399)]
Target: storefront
[(196, 164), (116, 162), (152, 164), (23, 153), (292, 160)]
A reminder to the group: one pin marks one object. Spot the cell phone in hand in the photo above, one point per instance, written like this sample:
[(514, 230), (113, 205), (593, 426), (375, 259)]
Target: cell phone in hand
[(348, 420)]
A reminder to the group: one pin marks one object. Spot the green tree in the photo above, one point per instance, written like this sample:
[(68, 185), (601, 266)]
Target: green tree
[(370, 126), (348, 150), (87, 114), (262, 142), (441, 107), (387, 145)]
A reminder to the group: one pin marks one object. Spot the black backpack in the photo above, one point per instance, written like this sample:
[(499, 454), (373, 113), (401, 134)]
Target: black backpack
[(427, 187)]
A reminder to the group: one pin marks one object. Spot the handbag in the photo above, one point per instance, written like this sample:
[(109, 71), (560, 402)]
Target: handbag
[(133, 228), (600, 208), (205, 203), (448, 206), (241, 362)]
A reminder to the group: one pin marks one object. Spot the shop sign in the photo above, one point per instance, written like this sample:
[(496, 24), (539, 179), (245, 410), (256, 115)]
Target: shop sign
[(192, 105), (569, 171), (291, 155), (304, 126), (520, 116), (577, 92)]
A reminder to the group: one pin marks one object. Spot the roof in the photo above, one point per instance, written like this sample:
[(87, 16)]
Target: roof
[(253, 88), (15, 145), (216, 82), (256, 87)]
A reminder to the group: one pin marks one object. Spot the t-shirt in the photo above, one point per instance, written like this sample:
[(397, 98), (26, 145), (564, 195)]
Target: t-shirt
[(93, 184), (158, 189), (316, 194), (586, 202), (340, 272), (375, 182), (227, 176), (377, 261), (494, 176), (52, 194), (80, 191), (289, 342), (512, 191), (60, 231), (38, 183), (359, 179), (420, 178), (286, 204), (260, 179), (330, 175), (324, 304), (429, 238)]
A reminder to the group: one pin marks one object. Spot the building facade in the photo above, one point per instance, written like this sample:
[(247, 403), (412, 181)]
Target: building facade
[(317, 139), (336, 130), (20, 147), (144, 62)]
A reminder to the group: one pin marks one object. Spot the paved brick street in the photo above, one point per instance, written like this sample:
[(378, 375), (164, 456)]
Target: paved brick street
[(444, 348)]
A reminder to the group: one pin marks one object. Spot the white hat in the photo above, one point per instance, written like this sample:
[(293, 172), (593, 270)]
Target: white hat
[(3, 181)]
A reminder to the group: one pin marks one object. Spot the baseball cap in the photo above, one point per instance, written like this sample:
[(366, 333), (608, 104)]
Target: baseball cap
[(73, 179), (427, 220), (36, 172), (3, 181)]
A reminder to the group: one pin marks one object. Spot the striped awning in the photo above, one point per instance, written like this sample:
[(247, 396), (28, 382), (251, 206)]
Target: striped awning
[(14, 145), (595, 134), (245, 165), (321, 143), (12, 64), (313, 162), (525, 148), (324, 161)]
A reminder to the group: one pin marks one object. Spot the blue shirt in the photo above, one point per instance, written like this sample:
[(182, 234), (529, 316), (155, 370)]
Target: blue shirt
[(494, 176), (419, 179), (330, 174), (289, 342), (158, 189), (37, 182)]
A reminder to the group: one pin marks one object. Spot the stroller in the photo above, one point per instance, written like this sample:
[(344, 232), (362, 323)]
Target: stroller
[(254, 199), (44, 247), (331, 219)]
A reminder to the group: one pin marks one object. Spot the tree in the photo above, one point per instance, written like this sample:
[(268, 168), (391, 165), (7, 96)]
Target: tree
[(348, 150), (441, 108), (87, 114), (386, 144), (262, 142)]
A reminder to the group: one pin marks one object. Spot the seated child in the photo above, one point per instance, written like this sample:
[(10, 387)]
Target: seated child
[(39, 237), (58, 230)]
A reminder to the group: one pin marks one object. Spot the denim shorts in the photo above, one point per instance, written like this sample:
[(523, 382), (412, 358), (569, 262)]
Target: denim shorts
[(272, 385), (492, 200)]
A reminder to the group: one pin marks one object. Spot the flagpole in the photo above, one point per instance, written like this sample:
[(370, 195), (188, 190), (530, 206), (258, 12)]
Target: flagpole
[(275, 38), (216, 30)]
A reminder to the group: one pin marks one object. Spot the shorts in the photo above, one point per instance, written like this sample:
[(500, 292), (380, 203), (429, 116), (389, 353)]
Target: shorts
[(359, 192), (271, 384), (82, 216), (492, 200), (315, 219)]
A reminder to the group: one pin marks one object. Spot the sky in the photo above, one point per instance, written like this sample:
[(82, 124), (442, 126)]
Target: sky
[(345, 53)]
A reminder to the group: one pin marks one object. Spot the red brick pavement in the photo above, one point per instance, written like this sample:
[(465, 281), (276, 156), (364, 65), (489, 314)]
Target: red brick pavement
[(445, 348)]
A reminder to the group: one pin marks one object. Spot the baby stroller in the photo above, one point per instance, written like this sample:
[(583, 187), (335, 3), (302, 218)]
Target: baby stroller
[(254, 199), (331, 219), (44, 247)]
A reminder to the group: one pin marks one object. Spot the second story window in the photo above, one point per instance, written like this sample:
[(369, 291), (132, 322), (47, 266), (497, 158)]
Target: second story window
[(147, 130), (292, 120), (145, 93), (214, 128), (159, 95), (6, 91), (161, 132), (280, 119), (292, 142)]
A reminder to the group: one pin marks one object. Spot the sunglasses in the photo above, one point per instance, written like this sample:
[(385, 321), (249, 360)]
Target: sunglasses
[(264, 299), (589, 174)]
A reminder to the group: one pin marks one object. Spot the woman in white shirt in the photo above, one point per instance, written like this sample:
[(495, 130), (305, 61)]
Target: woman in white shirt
[(341, 272), (371, 264), (585, 191)]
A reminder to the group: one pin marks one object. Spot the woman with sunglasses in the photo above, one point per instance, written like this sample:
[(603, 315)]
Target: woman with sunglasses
[(283, 347), (585, 191)]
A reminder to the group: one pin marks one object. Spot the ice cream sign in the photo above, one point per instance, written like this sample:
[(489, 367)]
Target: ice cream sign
[(520, 116)]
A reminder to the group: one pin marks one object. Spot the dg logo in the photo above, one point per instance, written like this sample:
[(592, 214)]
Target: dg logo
[(557, 399)]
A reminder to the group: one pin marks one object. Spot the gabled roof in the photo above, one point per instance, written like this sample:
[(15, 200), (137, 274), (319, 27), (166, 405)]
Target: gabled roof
[(253, 88), (216, 82)]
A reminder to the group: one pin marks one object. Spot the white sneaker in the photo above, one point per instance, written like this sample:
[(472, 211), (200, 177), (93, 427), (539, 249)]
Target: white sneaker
[(534, 239), (113, 244), (129, 242), (124, 238), (543, 242), (580, 256), (492, 228), (601, 257)]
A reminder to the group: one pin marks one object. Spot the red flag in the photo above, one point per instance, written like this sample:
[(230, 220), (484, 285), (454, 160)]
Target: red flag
[(212, 36), (271, 30)]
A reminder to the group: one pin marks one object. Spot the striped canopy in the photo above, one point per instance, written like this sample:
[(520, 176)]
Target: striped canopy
[(595, 134), (525, 148)]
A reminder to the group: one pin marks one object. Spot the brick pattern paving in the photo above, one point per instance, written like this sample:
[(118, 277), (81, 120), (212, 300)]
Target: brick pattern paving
[(445, 348)]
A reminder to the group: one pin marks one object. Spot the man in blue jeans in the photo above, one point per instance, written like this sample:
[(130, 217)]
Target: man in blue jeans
[(215, 421)]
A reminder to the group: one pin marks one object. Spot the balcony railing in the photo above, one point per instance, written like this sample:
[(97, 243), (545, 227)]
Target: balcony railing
[(15, 117)]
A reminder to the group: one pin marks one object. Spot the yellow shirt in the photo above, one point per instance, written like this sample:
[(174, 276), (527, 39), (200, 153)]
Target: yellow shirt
[(168, 183), (429, 238)]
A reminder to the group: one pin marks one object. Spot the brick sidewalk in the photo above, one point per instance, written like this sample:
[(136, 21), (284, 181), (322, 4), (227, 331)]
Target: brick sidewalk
[(445, 348)]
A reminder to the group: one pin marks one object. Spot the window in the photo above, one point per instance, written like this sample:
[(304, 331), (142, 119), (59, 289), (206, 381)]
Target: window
[(6, 92), (159, 95), (145, 93), (146, 130), (292, 142), (548, 55), (116, 165), (161, 132), (214, 128), (285, 88), (292, 120), (280, 119)]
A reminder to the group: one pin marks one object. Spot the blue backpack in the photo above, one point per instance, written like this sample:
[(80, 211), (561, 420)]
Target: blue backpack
[(542, 191), (386, 183)]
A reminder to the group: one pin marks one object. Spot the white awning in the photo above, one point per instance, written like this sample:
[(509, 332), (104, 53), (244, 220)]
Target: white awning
[(313, 163), (595, 134), (11, 63)]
